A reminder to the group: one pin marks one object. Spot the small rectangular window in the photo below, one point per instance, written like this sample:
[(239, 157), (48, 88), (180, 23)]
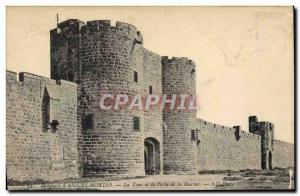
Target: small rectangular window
[(150, 90), (193, 135), (87, 122), (136, 123), (135, 76)]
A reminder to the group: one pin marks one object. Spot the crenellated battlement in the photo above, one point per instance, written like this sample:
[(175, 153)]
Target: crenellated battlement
[(68, 23), (95, 25), (221, 129), (104, 25), (29, 78), (71, 27), (177, 60)]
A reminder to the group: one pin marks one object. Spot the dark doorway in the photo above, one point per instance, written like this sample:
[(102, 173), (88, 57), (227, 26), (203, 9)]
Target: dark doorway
[(152, 156), (270, 160)]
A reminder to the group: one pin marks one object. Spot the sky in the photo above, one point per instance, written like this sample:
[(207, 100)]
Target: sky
[(244, 55)]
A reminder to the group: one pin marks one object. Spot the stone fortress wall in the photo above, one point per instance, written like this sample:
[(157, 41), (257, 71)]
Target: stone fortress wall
[(34, 153), (220, 149), (97, 58), (245, 151), (283, 154)]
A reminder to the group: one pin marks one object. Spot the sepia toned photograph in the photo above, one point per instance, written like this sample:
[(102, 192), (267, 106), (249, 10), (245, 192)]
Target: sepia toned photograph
[(112, 98)]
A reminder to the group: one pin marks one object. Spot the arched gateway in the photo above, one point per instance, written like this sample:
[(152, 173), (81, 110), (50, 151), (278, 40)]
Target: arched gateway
[(152, 156), (270, 160)]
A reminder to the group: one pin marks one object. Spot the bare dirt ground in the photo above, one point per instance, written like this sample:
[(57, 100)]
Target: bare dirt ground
[(276, 179)]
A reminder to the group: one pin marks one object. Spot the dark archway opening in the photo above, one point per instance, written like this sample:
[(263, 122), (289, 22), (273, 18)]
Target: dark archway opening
[(270, 160), (152, 156)]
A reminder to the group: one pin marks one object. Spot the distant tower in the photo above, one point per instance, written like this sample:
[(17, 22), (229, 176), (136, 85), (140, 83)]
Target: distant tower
[(253, 125), (266, 131), (179, 141), (267, 144)]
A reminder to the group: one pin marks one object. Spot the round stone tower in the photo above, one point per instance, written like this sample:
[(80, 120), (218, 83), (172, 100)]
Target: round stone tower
[(111, 62), (179, 136)]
